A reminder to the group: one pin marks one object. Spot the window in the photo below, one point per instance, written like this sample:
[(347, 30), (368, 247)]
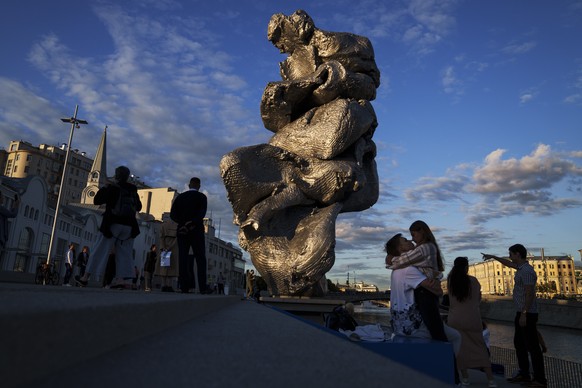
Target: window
[(44, 243)]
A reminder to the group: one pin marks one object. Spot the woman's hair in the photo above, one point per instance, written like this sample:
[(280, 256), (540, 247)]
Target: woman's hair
[(458, 281), (423, 227)]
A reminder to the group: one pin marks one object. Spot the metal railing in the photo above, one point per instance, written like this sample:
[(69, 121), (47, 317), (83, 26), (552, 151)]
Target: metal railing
[(559, 373)]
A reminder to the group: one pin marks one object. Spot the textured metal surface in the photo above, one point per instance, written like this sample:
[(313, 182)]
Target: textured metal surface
[(286, 194)]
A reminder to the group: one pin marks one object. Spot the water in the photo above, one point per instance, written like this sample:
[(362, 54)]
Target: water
[(564, 344)]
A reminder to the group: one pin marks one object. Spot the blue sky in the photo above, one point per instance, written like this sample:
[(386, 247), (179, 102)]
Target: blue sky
[(479, 110)]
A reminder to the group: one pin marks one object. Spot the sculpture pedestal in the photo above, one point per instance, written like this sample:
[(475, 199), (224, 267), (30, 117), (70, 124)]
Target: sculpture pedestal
[(305, 307)]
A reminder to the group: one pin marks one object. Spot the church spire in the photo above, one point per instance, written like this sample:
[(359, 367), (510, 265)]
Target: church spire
[(98, 176)]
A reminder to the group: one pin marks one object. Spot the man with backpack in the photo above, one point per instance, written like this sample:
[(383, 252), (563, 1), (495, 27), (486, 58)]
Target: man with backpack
[(119, 228)]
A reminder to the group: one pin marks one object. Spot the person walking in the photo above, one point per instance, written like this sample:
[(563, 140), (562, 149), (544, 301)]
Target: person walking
[(188, 211), (525, 338), (118, 229), (82, 260), (465, 317), (149, 267), (167, 267), (69, 258), (250, 280)]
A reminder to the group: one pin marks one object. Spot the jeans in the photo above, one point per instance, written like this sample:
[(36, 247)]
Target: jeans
[(123, 245), (526, 341), (68, 272)]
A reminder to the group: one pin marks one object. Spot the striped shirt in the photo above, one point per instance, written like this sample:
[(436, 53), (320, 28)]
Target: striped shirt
[(423, 257), (524, 276)]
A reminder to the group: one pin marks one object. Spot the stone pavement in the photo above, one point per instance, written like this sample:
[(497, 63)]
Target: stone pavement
[(54, 336)]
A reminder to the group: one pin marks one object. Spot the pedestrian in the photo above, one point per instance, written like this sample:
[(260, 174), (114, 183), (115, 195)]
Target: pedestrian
[(525, 339), (188, 211), (82, 260), (149, 267), (220, 283), (118, 229), (465, 317), (5, 214), (167, 267), (69, 259), (250, 280)]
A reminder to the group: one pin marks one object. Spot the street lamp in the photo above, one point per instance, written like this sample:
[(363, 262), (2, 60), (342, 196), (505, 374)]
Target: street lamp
[(75, 122)]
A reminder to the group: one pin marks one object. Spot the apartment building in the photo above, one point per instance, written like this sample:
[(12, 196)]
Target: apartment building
[(556, 276), (22, 159)]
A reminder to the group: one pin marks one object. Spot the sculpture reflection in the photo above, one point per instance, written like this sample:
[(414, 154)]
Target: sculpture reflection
[(286, 194)]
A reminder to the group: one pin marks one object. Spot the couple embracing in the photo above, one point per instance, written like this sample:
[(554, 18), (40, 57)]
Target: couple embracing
[(415, 287)]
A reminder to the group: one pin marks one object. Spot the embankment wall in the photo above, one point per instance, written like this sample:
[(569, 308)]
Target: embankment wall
[(552, 312)]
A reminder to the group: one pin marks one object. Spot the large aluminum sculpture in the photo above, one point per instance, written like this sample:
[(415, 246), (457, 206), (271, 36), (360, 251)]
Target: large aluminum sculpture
[(286, 194)]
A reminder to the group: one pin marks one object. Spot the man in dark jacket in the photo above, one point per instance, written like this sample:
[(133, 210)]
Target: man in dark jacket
[(188, 211), (119, 228)]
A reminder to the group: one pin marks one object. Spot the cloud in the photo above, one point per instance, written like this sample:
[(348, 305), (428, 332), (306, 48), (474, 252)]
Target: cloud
[(515, 48), (541, 169), (451, 85), (527, 96), (445, 188)]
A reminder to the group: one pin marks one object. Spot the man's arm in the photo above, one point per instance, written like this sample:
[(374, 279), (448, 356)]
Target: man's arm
[(530, 294), (503, 261)]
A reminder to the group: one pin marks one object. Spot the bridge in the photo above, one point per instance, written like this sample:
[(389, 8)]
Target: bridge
[(355, 297)]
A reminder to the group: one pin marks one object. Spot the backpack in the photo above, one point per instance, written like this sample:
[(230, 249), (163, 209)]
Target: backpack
[(339, 318), (125, 205)]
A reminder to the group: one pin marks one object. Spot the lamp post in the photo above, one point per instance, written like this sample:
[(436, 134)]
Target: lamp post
[(75, 122)]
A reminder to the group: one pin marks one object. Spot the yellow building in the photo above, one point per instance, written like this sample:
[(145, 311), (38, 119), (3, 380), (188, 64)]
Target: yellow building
[(556, 276), (23, 160), (157, 201)]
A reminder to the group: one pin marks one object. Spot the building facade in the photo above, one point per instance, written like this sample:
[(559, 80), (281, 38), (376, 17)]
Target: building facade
[(556, 276), (23, 160)]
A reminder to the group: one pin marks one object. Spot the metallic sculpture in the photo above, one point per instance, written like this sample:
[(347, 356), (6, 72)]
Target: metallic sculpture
[(286, 194)]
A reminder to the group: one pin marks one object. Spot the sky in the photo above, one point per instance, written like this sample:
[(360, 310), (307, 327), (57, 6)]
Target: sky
[(479, 108)]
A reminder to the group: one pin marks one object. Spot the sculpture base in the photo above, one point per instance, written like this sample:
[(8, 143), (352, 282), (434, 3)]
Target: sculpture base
[(305, 307)]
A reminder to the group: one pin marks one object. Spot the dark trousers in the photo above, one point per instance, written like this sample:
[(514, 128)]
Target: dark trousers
[(428, 306), (194, 240), (68, 272), (526, 341)]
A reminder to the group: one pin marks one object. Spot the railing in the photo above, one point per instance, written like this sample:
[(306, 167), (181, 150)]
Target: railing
[(559, 373)]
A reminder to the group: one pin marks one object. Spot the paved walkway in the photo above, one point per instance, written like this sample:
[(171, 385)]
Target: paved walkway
[(65, 336)]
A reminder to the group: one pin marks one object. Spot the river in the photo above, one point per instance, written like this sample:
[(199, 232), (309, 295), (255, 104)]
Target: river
[(564, 344)]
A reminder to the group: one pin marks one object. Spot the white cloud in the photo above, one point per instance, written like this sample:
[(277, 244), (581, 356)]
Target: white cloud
[(516, 48)]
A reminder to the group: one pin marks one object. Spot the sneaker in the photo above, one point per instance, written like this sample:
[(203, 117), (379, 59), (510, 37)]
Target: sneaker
[(80, 282), (465, 381), (147, 289), (519, 379), (492, 384), (66, 285)]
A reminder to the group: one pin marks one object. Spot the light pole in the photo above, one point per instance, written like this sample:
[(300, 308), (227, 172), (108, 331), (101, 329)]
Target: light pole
[(75, 122)]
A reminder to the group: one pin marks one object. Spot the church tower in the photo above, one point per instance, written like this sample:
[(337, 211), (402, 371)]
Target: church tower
[(98, 176)]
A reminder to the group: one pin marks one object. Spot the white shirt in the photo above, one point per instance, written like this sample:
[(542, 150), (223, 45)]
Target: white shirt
[(405, 317), (70, 258)]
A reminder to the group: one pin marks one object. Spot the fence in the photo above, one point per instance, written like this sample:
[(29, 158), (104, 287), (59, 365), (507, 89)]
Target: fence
[(559, 373)]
